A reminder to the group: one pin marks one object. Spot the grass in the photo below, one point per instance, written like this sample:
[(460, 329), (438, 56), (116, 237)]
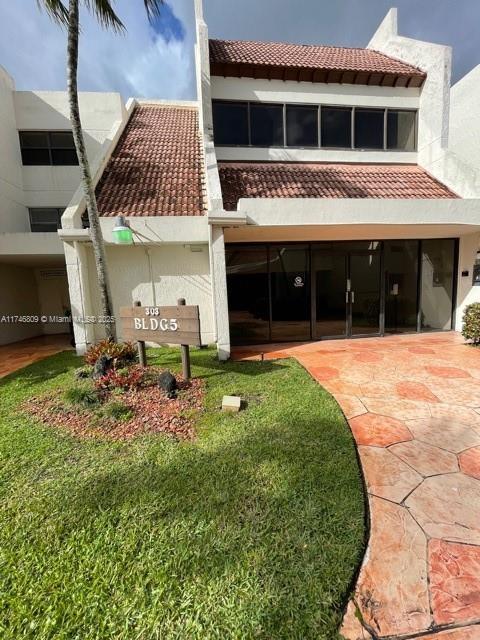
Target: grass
[(254, 530)]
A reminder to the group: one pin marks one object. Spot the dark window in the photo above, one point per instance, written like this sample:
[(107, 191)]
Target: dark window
[(248, 294), (401, 130), (369, 124), (230, 123), (47, 148), (336, 127), (45, 219), (302, 126), (266, 122)]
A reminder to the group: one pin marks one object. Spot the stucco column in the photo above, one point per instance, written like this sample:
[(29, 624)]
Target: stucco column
[(76, 263), (219, 292), (466, 292)]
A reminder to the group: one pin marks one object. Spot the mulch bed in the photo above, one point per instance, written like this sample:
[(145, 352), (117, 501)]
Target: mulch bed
[(152, 412)]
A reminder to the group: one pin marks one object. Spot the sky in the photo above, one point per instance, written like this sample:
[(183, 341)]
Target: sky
[(156, 61)]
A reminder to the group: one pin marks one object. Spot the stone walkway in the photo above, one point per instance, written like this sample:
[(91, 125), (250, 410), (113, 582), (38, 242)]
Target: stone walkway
[(19, 354), (413, 405)]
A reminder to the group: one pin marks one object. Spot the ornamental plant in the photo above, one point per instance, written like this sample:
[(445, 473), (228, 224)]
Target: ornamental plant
[(126, 379), (471, 323), (122, 353)]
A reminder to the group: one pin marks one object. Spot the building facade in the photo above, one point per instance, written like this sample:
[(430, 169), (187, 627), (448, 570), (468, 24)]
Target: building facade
[(38, 177), (309, 193)]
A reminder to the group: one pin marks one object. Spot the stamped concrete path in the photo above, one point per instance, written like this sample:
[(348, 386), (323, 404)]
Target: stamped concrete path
[(413, 404)]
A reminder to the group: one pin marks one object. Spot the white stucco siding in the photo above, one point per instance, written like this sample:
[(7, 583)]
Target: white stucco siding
[(262, 154), (313, 93), (48, 110), (464, 137), (466, 293), (156, 276), (13, 213)]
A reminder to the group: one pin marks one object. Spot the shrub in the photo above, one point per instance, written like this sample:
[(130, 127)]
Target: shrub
[(471, 323), (83, 373), (123, 353), (117, 410), (127, 379), (85, 396)]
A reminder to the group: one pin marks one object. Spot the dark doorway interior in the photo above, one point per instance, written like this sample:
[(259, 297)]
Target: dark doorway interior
[(299, 292)]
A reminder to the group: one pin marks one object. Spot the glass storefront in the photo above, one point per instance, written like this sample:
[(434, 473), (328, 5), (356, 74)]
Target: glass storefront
[(299, 292)]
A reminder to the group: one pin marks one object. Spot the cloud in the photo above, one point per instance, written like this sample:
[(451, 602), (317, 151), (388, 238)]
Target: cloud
[(153, 61), (157, 61)]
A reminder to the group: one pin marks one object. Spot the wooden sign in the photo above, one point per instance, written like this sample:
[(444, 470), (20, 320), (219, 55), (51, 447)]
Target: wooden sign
[(162, 325)]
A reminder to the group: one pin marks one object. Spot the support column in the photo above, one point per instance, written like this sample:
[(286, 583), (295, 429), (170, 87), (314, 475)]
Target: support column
[(219, 292), (466, 292), (77, 272)]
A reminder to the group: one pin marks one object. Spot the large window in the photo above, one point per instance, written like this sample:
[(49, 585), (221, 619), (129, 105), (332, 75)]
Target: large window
[(47, 148), (437, 284), (369, 128), (302, 126), (45, 219), (230, 123), (401, 130), (297, 125), (266, 125), (336, 127), (248, 294)]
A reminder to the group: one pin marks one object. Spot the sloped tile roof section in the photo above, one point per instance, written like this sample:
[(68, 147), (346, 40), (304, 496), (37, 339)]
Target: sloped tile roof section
[(311, 63), (157, 167), (320, 180)]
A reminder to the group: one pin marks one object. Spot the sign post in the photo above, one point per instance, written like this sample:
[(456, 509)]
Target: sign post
[(142, 354), (163, 325)]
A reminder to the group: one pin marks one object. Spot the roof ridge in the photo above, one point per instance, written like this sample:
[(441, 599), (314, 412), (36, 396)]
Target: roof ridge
[(293, 44)]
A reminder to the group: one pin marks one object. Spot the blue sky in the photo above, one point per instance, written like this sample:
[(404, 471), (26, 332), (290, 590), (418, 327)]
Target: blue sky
[(156, 61)]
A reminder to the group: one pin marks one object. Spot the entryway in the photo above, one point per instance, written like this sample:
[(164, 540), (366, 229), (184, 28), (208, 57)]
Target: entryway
[(327, 290)]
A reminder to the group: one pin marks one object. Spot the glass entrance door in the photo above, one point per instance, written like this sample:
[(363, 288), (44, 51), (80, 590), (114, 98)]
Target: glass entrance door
[(364, 294), (329, 283), (345, 292)]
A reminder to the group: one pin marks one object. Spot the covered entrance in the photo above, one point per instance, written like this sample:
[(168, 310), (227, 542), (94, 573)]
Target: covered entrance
[(326, 290)]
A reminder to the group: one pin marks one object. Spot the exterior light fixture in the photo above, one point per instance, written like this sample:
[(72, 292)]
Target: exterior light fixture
[(122, 233)]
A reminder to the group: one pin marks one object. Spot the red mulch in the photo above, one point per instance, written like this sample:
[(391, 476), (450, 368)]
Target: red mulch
[(152, 412)]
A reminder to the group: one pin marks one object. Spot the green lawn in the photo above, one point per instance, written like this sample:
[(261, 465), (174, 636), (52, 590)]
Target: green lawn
[(254, 530)]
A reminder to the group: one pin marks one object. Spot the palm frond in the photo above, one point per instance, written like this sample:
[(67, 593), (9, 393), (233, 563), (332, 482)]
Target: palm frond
[(55, 9), (105, 14), (152, 7)]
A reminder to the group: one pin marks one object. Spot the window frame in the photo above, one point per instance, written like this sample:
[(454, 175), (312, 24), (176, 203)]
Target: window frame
[(319, 106), (50, 147), (60, 211)]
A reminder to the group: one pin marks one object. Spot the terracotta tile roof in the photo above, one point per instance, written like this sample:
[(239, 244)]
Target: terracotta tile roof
[(326, 58), (157, 166), (321, 180)]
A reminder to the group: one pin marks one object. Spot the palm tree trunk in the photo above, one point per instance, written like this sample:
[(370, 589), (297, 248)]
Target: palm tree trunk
[(89, 192)]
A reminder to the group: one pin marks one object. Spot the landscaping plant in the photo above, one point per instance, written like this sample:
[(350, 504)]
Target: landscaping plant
[(121, 353), (471, 323)]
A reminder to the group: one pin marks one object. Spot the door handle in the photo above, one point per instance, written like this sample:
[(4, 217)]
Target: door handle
[(353, 296)]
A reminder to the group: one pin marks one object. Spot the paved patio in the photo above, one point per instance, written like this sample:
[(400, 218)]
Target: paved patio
[(413, 405), (19, 354)]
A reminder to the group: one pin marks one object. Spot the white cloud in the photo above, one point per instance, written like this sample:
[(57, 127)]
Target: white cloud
[(139, 63)]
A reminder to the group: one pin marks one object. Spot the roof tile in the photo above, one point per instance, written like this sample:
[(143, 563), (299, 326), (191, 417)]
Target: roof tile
[(157, 166), (322, 180), (277, 54)]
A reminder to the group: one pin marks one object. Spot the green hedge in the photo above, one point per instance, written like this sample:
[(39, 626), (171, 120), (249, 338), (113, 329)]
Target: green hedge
[(471, 323)]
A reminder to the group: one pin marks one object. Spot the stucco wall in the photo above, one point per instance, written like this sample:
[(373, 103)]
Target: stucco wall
[(13, 214), (18, 296), (158, 278), (464, 138), (54, 186)]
